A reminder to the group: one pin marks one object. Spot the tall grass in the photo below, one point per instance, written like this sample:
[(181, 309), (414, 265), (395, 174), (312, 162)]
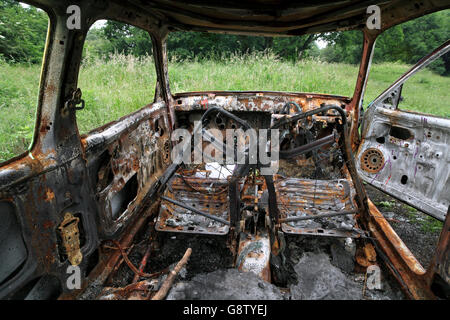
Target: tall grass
[(113, 88), (118, 85), (19, 86), (262, 71)]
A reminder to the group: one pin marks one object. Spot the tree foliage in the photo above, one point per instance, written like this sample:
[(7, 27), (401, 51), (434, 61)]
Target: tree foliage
[(23, 29), (407, 42), (22, 32), (126, 39), (188, 45), (343, 47)]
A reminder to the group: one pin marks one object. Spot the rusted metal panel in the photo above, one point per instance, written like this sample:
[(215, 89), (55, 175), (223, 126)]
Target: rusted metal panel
[(265, 17), (254, 254), (265, 101), (408, 150), (415, 169), (305, 197), (108, 259), (208, 195), (355, 105), (138, 148), (404, 266), (440, 266)]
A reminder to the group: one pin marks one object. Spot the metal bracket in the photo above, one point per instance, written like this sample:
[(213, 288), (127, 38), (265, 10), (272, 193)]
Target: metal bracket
[(75, 100), (71, 238)]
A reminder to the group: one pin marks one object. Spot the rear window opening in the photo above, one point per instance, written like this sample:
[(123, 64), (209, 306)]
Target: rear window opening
[(323, 63)]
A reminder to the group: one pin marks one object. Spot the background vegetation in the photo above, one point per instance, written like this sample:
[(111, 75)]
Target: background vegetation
[(118, 76), (123, 84), (22, 37)]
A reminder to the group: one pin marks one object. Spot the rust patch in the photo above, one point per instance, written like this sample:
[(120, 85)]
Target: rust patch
[(49, 195), (48, 225), (372, 160)]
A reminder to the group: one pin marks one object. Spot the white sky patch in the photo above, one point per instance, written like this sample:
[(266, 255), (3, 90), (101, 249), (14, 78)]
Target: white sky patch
[(27, 6), (216, 170), (99, 24), (321, 43)]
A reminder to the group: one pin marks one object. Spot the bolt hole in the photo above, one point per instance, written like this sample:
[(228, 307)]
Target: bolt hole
[(380, 140), (404, 179)]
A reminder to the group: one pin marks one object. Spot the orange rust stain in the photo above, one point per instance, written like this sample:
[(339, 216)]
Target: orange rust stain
[(49, 195), (84, 143), (48, 224), (370, 253), (136, 164), (366, 256), (44, 125), (380, 223), (50, 89)]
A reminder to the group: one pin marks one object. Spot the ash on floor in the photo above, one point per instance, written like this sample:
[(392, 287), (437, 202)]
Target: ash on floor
[(209, 253), (225, 284), (323, 268), (319, 279)]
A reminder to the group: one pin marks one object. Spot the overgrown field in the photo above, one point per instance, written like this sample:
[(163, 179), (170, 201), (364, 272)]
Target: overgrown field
[(123, 84)]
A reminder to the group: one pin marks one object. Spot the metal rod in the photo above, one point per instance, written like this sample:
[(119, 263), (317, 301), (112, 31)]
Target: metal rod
[(324, 215), (143, 263), (298, 116), (286, 154), (194, 210)]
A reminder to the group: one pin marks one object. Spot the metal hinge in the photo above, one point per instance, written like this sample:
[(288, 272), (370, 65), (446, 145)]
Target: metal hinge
[(70, 235)]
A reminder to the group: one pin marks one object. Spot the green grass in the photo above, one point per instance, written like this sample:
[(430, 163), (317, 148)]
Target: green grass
[(427, 223), (18, 99), (121, 84), (263, 72), (386, 204)]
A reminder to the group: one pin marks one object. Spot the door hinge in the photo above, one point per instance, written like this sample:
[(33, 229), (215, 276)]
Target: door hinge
[(70, 235)]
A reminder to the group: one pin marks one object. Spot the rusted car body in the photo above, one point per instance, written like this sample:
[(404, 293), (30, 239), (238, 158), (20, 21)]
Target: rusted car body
[(69, 195)]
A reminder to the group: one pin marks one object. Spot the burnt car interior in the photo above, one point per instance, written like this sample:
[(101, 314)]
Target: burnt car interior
[(90, 200)]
